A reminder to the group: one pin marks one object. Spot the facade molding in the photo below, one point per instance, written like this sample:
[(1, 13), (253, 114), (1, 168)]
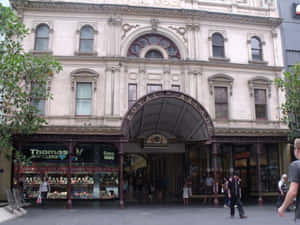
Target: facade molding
[(225, 64), (146, 11)]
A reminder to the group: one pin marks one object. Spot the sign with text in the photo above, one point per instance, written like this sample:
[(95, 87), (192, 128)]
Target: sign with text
[(296, 10)]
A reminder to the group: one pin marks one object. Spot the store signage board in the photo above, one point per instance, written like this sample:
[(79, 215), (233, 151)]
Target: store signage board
[(64, 169), (296, 10)]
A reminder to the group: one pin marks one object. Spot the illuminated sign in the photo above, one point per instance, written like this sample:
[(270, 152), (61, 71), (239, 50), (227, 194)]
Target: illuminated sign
[(48, 154), (296, 9)]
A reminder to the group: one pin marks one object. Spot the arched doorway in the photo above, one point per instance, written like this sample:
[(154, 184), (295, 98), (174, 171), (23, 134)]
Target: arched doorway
[(162, 125)]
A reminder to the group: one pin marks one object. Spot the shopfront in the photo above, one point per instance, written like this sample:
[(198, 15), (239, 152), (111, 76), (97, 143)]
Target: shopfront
[(94, 171)]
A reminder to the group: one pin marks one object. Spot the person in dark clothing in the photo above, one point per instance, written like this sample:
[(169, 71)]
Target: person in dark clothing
[(294, 178), (235, 194), (282, 190)]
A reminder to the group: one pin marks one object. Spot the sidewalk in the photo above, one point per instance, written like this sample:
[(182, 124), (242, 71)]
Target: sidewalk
[(166, 214), (7, 214)]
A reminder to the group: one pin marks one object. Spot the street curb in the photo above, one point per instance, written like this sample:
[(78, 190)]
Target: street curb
[(6, 213)]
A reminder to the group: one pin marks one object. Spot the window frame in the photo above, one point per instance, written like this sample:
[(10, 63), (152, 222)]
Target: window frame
[(84, 76), (221, 103), (86, 39), (77, 99), (265, 104), (80, 26), (35, 25), (221, 80), (259, 37), (215, 45), (260, 82), (225, 45)]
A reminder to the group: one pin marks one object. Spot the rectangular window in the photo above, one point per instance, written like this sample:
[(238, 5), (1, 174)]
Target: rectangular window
[(260, 103), (221, 103), (132, 94), (153, 87), (38, 103), (175, 87), (84, 99)]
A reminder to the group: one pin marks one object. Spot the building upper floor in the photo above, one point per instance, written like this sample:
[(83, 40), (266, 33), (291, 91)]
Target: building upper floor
[(180, 35)]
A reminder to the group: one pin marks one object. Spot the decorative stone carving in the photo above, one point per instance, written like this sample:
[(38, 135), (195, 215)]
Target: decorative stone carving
[(260, 82), (180, 30), (127, 27), (154, 24), (115, 21), (220, 79), (84, 75), (193, 26), (112, 68)]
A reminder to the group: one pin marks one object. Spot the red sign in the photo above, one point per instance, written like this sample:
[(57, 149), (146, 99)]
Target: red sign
[(241, 155)]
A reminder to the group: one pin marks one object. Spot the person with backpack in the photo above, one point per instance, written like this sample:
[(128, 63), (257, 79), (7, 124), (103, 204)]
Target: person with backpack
[(294, 178)]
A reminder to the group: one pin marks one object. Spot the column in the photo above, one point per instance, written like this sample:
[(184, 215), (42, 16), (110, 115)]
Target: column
[(214, 153), (259, 186), (121, 153), (69, 185)]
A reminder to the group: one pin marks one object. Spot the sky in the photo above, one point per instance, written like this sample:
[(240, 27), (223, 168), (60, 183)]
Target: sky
[(5, 2)]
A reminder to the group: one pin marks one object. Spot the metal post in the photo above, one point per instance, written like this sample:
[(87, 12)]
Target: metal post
[(259, 184), (69, 185), (214, 152), (121, 152)]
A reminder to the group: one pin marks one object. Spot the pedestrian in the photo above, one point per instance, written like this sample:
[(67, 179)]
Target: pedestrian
[(185, 194), (282, 189), (294, 178), (209, 182), (44, 189), (235, 195), (225, 191)]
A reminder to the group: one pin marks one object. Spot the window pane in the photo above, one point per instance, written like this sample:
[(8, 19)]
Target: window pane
[(218, 40), (87, 33), (256, 54), (260, 96), (39, 104), (154, 54), (84, 90), (83, 107), (218, 51), (86, 45), (132, 94), (221, 111), (221, 94), (41, 44), (42, 31), (260, 111), (175, 87), (255, 43), (153, 87)]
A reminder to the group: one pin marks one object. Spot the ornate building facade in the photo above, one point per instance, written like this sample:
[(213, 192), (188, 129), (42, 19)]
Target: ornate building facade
[(153, 92)]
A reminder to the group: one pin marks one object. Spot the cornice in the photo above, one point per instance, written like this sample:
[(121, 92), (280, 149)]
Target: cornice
[(224, 131), (145, 11), (83, 130), (169, 62)]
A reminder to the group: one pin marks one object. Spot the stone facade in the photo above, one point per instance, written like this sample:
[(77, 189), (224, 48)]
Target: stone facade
[(117, 26)]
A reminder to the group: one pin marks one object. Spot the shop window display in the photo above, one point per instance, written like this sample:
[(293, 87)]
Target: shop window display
[(94, 172)]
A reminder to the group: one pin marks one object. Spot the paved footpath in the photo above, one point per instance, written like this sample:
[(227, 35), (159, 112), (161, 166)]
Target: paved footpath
[(150, 215)]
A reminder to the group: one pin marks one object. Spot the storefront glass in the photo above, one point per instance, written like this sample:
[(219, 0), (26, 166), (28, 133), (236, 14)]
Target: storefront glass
[(95, 171)]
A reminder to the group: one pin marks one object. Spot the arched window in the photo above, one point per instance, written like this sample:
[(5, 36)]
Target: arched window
[(42, 38), (147, 40), (256, 49), (154, 54), (86, 43), (218, 45)]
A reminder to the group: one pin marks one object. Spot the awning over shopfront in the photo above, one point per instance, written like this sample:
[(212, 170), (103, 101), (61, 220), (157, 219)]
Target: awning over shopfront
[(170, 113)]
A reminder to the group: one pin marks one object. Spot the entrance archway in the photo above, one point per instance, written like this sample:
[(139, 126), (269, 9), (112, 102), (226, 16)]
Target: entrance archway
[(166, 117)]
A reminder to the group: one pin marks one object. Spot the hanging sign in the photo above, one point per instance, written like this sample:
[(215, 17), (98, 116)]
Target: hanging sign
[(296, 9)]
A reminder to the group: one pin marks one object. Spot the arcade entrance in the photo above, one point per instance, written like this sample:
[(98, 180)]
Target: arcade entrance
[(153, 177)]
